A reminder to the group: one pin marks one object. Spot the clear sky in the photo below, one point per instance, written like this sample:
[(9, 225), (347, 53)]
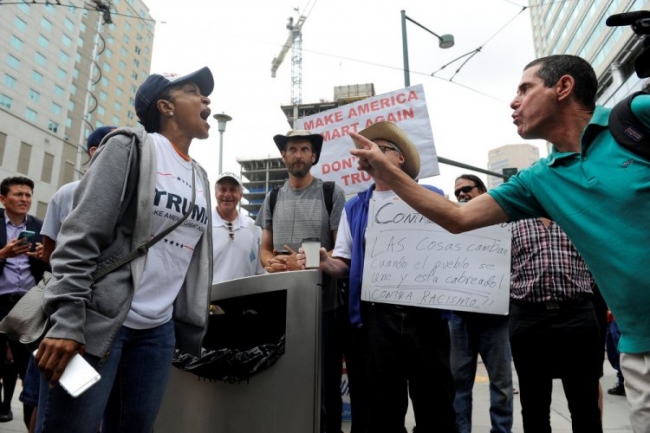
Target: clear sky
[(350, 42)]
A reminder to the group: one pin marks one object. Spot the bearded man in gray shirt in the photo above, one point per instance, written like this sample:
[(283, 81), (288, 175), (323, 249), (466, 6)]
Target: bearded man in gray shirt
[(296, 211)]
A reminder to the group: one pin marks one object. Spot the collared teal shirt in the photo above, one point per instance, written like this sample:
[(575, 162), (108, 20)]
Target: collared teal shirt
[(601, 199)]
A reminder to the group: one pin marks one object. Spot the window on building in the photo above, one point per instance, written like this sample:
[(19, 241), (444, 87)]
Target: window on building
[(110, 39), (104, 81), (37, 77), (41, 209), (66, 40), (116, 120), (80, 42), (46, 24), (134, 75), (129, 114), (108, 53), (39, 58), (73, 89), (75, 73), (71, 105), (20, 24), (24, 156), (102, 95), (101, 110), (58, 91), (53, 126), (24, 7), (30, 115), (117, 106), (9, 81), (68, 122), (34, 95), (49, 8), (118, 92), (60, 73), (55, 108), (124, 52), (122, 64), (125, 39), (63, 57), (127, 26), (17, 43), (5, 101), (13, 61), (43, 41), (136, 63), (107, 67), (68, 24), (68, 172)]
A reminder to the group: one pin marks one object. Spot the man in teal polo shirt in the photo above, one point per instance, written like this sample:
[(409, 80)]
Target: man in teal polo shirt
[(595, 189)]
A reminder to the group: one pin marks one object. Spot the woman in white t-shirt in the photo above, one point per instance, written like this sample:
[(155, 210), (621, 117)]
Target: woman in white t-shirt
[(128, 323)]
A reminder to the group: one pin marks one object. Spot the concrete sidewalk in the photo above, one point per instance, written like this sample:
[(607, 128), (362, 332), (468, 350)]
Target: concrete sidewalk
[(615, 408), (615, 419)]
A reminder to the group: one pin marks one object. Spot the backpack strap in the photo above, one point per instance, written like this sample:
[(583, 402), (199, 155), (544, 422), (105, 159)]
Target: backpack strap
[(627, 129), (274, 198), (328, 195)]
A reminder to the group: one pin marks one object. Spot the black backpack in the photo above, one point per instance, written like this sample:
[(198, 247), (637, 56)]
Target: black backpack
[(627, 129)]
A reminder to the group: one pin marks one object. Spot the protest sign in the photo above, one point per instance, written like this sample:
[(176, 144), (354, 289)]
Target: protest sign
[(405, 107), (412, 261)]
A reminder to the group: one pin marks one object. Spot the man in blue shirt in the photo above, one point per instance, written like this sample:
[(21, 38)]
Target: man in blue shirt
[(597, 190), (20, 270)]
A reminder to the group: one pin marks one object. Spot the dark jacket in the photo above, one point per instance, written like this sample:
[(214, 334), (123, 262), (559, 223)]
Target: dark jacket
[(37, 267)]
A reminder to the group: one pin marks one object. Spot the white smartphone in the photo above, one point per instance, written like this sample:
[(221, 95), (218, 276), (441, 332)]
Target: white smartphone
[(78, 376)]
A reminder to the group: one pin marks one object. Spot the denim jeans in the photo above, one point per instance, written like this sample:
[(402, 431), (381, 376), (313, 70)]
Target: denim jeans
[(128, 396), (485, 334), (611, 345)]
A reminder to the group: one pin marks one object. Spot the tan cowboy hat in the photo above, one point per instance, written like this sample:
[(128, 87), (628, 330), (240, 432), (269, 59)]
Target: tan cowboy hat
[(389, 131), (315, 139)]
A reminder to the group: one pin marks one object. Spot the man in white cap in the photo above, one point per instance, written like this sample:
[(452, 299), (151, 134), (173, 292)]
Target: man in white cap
[(236, 239), (307, 207), (397, 351)]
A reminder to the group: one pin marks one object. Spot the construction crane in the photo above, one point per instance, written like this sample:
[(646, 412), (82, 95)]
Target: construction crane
[(294, 41)]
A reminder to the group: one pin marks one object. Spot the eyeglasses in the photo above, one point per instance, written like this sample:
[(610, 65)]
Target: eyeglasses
[(385, 149), (230, 232), (465, 189)]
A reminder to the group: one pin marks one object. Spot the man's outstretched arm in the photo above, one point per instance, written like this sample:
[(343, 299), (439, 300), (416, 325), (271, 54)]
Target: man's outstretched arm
[(480, 212)]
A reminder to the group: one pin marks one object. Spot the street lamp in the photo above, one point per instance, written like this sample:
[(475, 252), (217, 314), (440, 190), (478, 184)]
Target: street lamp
[(222, 119), (445, 41)]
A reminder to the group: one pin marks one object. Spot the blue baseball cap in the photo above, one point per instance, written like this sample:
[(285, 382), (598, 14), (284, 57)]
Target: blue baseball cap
[(155, 85), (96, 137)]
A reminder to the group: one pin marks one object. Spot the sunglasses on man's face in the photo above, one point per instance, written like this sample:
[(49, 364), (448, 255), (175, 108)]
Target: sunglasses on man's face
[(464, 189)]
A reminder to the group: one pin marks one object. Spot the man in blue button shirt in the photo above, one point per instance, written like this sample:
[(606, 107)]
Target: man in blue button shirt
[(20, 270), (597, 190)]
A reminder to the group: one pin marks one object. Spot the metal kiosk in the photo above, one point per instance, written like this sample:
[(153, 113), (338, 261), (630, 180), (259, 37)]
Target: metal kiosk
[(284, 398)]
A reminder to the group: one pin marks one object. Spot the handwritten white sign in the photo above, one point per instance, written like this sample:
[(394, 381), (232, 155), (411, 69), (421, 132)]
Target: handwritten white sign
[(405, 107), (413, 261)]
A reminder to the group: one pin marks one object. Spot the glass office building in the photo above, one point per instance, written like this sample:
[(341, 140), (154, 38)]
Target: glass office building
[(65, 70)]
